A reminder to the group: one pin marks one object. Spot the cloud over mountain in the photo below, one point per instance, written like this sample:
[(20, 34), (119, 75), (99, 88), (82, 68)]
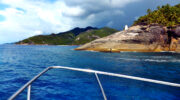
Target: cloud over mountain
[(25, 18)]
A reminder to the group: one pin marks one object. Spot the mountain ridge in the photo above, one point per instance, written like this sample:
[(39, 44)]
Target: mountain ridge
[(69, 37)]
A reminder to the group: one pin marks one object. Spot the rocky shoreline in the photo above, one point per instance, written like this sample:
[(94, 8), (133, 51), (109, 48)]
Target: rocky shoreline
[(138, 38)]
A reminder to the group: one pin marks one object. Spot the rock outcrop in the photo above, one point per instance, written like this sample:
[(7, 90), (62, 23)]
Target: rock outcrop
[(139, 38)]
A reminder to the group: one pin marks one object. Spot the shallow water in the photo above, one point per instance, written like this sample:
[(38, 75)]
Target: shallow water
[(18, 64)]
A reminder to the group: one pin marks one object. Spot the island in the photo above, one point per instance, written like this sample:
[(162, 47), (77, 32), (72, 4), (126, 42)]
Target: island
[(76, 36), (158, 31)]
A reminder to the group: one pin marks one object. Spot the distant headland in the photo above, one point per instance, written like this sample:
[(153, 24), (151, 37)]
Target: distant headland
[(76, 36)]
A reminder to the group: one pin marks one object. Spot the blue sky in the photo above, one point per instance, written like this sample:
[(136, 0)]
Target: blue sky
[(20, 19)]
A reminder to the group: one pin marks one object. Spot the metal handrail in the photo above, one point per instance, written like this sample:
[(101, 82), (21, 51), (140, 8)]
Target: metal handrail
[(28, 84)]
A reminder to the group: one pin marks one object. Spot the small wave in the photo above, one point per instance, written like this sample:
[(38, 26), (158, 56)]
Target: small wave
[(161, 57), (153, 60), (149, 60), (129, 59)]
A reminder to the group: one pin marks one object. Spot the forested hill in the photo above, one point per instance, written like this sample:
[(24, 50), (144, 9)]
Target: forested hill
[(76, 36), (165, 15)]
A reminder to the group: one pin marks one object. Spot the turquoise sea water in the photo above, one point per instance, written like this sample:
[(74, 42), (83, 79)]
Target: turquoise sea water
[(18, 64)]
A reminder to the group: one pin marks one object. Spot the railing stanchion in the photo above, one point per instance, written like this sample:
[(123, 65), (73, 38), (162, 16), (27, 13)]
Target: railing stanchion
[(100, 85), (29, 93)]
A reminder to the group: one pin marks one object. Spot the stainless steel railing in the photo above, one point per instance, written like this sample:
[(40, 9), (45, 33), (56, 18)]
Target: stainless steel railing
[(28, 84)]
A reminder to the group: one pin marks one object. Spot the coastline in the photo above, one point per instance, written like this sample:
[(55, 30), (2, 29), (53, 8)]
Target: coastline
[(46, 45), (122, 50)]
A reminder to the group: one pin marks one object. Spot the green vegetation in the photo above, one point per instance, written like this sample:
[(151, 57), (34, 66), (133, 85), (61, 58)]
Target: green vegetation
[(76, 36), (166, 15), (91, 35), (49, 39)]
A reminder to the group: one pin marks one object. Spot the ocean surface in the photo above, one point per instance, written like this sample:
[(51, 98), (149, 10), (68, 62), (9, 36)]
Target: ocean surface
[(18, 64)]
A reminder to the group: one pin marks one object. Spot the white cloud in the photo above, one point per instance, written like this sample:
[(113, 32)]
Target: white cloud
[(25, 18), (110, 23), (136, 17), (91, 16), (37, 32), (75, 11)]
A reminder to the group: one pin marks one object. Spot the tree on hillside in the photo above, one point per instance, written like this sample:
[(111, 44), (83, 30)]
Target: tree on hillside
[(165, 15)]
